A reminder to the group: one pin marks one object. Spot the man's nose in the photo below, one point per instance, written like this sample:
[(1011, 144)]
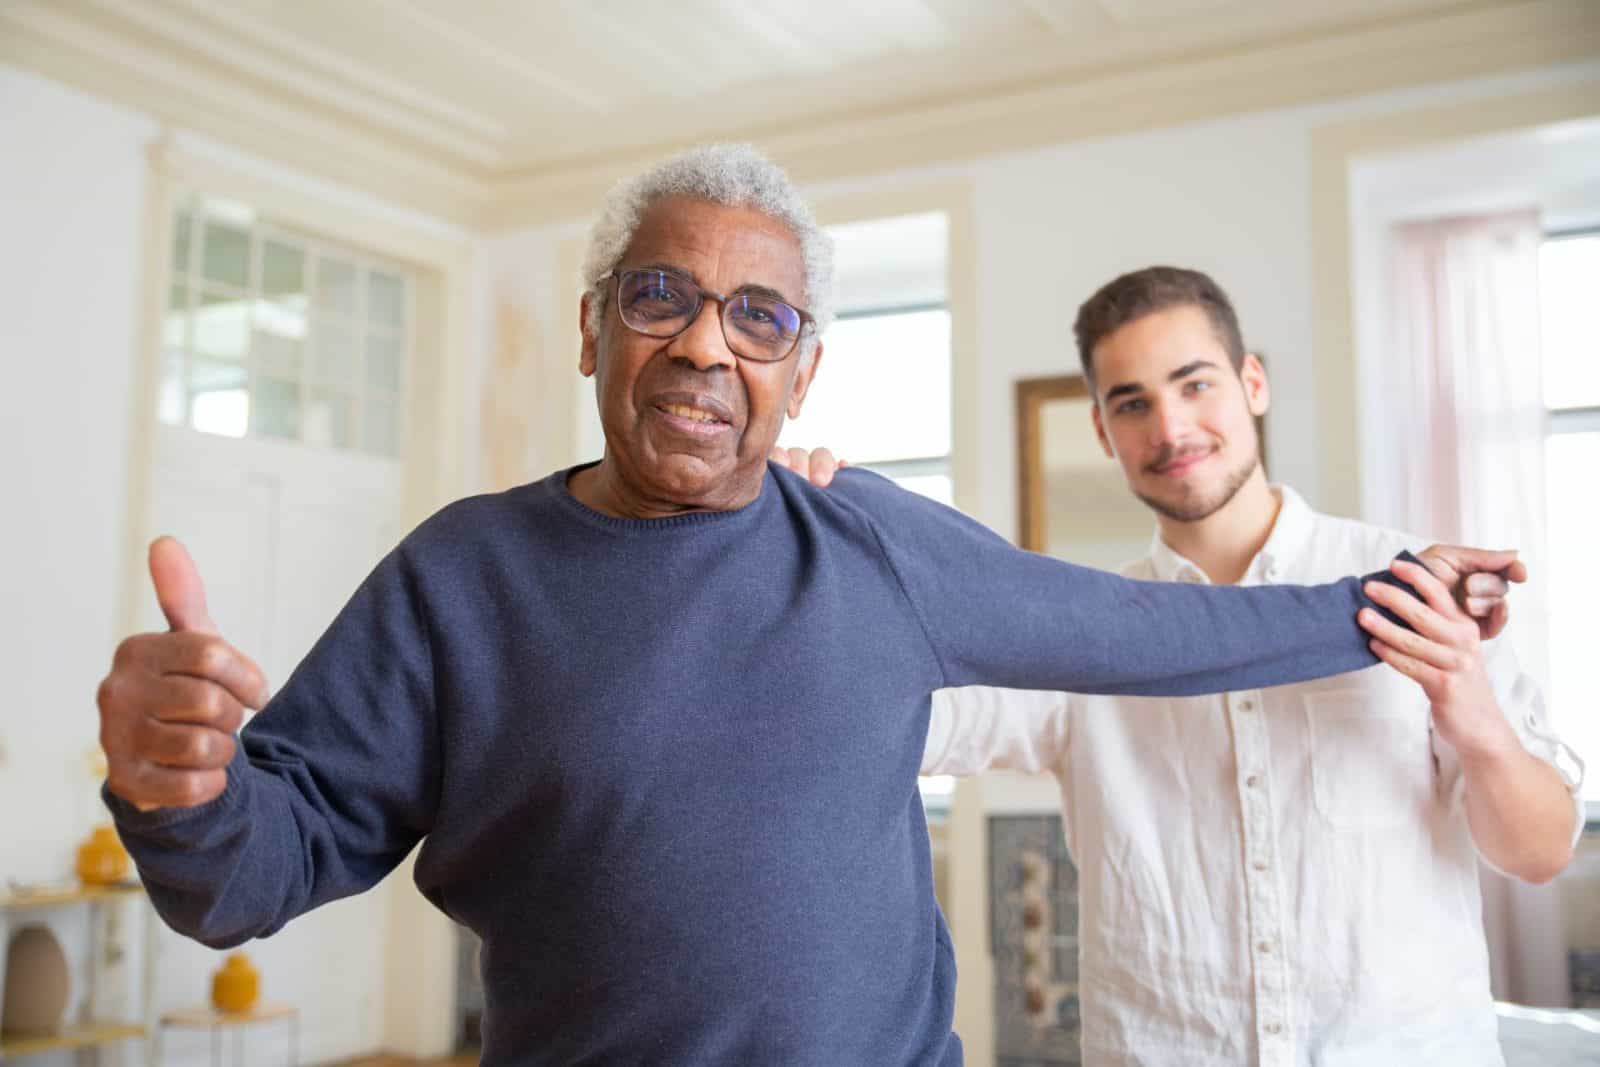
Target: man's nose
[(1170, 424), (703, 344)]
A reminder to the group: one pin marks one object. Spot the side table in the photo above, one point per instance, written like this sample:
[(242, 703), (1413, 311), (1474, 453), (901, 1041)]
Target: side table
[(219, 1022)]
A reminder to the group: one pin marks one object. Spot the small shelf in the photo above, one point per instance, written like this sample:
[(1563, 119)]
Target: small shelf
[(210, 1018), (61, 896), (83, 1035)]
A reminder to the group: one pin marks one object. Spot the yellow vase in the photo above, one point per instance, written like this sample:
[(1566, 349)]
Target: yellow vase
[(102, 859), (236, 985)]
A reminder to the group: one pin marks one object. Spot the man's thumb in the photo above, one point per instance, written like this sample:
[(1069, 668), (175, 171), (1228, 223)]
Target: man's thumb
[(179, 591)]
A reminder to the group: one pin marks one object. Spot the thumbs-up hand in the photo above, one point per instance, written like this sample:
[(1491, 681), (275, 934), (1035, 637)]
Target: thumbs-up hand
[(172, 702)]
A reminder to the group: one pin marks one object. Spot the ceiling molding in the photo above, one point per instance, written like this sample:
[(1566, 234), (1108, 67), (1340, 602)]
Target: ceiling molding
[(229, 77), (338, 66), (491, 53), (1317, 68), (58, 42)]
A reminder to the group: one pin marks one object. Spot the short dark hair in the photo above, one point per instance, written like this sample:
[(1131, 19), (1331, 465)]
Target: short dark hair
[(1144, 292)]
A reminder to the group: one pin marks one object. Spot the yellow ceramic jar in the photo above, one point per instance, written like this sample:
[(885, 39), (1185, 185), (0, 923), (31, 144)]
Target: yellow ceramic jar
[(236, 985), (102, 859)]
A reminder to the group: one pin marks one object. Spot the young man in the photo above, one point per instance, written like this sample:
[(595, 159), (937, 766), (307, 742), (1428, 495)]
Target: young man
[(1287, 875)]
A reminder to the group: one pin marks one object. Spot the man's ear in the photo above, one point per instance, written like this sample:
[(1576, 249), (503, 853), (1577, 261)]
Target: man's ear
[(588, 354), (1100, 428), (802, 380), (1257, 390)]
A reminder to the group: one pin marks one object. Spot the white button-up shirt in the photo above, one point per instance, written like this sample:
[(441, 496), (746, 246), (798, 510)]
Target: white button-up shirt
[(1280, 877)]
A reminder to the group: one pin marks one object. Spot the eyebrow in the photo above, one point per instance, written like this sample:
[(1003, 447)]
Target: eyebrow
[(1134, 388), (749, 290)]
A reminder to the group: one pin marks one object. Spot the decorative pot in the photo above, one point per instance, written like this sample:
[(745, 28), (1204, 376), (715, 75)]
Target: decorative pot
[(37, 983), (102, 860), (236, 985)]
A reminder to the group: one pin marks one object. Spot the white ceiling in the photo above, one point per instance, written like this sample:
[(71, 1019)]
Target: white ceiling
[(511, 85), (479, 92)]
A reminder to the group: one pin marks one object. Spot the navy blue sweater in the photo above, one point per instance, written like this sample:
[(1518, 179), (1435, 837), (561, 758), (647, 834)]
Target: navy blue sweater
[(667, 769)]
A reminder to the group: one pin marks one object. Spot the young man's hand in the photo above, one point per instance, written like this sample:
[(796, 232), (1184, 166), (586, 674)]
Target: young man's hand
[(1444, 656), (819, 465)]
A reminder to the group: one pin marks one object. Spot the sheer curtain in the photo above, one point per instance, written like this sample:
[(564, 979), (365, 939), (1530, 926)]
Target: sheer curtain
[(1463, 397)]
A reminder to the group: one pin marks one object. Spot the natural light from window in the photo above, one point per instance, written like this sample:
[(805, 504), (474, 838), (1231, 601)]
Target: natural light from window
[(1569, 284)]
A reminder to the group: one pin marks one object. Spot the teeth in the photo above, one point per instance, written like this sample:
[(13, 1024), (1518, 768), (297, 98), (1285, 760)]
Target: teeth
[(685, 412)]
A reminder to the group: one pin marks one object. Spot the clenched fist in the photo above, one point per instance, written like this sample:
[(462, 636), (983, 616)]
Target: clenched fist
[(173, 701)]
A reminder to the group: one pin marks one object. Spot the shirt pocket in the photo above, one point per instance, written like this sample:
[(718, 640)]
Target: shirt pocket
[(1371, 760)]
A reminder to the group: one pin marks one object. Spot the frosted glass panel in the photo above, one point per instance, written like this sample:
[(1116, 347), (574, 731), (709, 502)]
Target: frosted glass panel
[(221, 326), (336, 288), (218, 402), (385, 300), (335, 362), (283, 273), (225, 253), (383, 361)]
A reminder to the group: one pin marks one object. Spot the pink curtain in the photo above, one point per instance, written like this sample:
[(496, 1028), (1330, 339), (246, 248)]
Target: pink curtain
[(1464, 391)]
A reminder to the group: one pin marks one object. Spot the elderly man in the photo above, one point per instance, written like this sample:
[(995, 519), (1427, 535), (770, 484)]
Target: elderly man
[(681, 840)]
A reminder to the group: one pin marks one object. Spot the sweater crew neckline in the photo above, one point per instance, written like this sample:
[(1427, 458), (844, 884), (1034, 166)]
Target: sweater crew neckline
[(557, 486)]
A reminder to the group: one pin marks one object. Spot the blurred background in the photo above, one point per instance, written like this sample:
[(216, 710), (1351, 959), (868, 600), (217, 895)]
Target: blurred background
[(282, 277)]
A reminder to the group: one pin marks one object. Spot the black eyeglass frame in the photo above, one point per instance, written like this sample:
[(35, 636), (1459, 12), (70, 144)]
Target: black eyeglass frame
[(807, 322)]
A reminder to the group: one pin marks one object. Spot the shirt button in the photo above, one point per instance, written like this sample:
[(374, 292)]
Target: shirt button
[(1272, 1028), (1260, 865), (1264, 947), (1253, 781), (1247, 705)]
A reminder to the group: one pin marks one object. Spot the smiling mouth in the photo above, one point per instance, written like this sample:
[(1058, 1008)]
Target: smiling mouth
[(1179, 464), (693, 414)]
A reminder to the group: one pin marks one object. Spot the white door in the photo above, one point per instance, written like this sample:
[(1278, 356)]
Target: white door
[(282, 534)]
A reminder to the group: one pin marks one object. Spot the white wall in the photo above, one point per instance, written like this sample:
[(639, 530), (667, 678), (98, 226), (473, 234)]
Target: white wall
[(71, 203), (73, 181), (71, 200)]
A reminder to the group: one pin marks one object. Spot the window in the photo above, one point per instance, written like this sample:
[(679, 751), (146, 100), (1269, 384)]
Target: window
[(882, 399), (273, 334), (1569, 278)]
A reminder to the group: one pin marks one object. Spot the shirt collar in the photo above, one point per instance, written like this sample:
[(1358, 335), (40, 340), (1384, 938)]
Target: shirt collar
[(1290, 532)]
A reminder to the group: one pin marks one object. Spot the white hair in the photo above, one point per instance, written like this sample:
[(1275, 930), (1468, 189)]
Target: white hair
[(733, 175)]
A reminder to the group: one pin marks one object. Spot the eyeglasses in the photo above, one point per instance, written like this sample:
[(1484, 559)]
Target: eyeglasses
[(658, 303)]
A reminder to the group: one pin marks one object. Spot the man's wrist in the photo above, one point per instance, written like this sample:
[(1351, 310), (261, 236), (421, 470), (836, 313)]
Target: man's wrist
[(1485, 751)]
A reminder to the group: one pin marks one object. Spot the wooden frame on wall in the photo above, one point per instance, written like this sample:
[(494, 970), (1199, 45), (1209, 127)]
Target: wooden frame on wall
[(1031, 396), (1032, 393)]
